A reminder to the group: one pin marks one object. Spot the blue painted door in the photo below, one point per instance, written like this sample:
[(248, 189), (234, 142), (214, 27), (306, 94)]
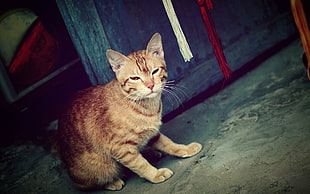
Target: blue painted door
[(246, 29)]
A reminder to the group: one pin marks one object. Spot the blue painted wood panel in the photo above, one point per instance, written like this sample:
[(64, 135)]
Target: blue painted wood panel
[(89, 38), (246, 29)]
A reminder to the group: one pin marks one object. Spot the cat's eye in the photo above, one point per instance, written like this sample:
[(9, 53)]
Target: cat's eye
[(135, 78), (155, 71)]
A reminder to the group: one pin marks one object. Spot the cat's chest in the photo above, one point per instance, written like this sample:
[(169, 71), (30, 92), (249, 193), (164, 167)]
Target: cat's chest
[(134, 117), (136, 128), (139, 123)]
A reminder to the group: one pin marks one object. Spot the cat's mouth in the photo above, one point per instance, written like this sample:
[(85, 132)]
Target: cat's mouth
[(152, 94)]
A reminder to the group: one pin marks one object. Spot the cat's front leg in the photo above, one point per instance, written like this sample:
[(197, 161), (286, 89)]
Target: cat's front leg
[(133, 160), (165, 144)]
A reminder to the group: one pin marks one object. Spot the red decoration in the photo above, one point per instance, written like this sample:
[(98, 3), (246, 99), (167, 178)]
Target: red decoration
[(36, 56), (205, 6)]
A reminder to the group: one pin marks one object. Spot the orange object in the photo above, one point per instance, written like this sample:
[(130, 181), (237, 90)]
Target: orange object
[(302, 26)]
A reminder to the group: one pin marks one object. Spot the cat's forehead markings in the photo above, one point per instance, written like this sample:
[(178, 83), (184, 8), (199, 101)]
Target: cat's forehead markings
[(139, 58)]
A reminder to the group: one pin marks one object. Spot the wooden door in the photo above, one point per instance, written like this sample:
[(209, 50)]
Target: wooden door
[(247, 29)]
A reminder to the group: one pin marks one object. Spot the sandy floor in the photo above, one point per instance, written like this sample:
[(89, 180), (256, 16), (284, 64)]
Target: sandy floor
[(255, 134)]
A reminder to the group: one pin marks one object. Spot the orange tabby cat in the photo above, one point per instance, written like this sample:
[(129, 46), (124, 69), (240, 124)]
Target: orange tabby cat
[(106, 126)]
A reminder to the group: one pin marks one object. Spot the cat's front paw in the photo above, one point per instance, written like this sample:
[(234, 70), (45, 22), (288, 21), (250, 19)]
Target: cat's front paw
[(162, 175), (191, 150)]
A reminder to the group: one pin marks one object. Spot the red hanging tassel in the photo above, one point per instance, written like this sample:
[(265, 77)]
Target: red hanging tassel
[(208, 4), (205, 6)]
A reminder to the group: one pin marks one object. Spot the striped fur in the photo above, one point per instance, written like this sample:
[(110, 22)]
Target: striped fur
[(104, 127)]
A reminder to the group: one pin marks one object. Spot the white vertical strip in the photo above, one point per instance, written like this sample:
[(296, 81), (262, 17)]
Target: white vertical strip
[(182, 42)]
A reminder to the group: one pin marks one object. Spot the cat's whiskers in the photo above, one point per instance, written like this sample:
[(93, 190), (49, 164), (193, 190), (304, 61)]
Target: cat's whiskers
[(173, 96), (170, 81), (178, 89), (135, 100), (165, 92), (169, 88), (131, 99), (171, 84), (170, 98)]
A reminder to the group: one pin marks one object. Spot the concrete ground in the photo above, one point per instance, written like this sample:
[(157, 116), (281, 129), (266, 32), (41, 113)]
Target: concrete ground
[(255, 133)]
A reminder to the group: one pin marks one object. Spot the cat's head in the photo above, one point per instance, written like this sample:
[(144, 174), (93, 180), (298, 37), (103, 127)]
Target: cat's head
[(141, 74)]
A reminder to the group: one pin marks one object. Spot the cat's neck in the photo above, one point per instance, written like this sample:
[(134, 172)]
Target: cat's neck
[(147, 107)]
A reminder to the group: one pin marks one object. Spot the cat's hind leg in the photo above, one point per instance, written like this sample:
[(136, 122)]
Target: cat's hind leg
[(117, 184), (93, 171), (165, 144)]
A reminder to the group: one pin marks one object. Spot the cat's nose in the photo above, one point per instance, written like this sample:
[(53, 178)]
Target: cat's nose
[(150, 85)]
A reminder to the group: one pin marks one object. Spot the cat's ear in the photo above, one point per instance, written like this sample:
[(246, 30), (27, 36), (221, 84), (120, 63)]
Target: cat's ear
[(116, 59), (155, 47)]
